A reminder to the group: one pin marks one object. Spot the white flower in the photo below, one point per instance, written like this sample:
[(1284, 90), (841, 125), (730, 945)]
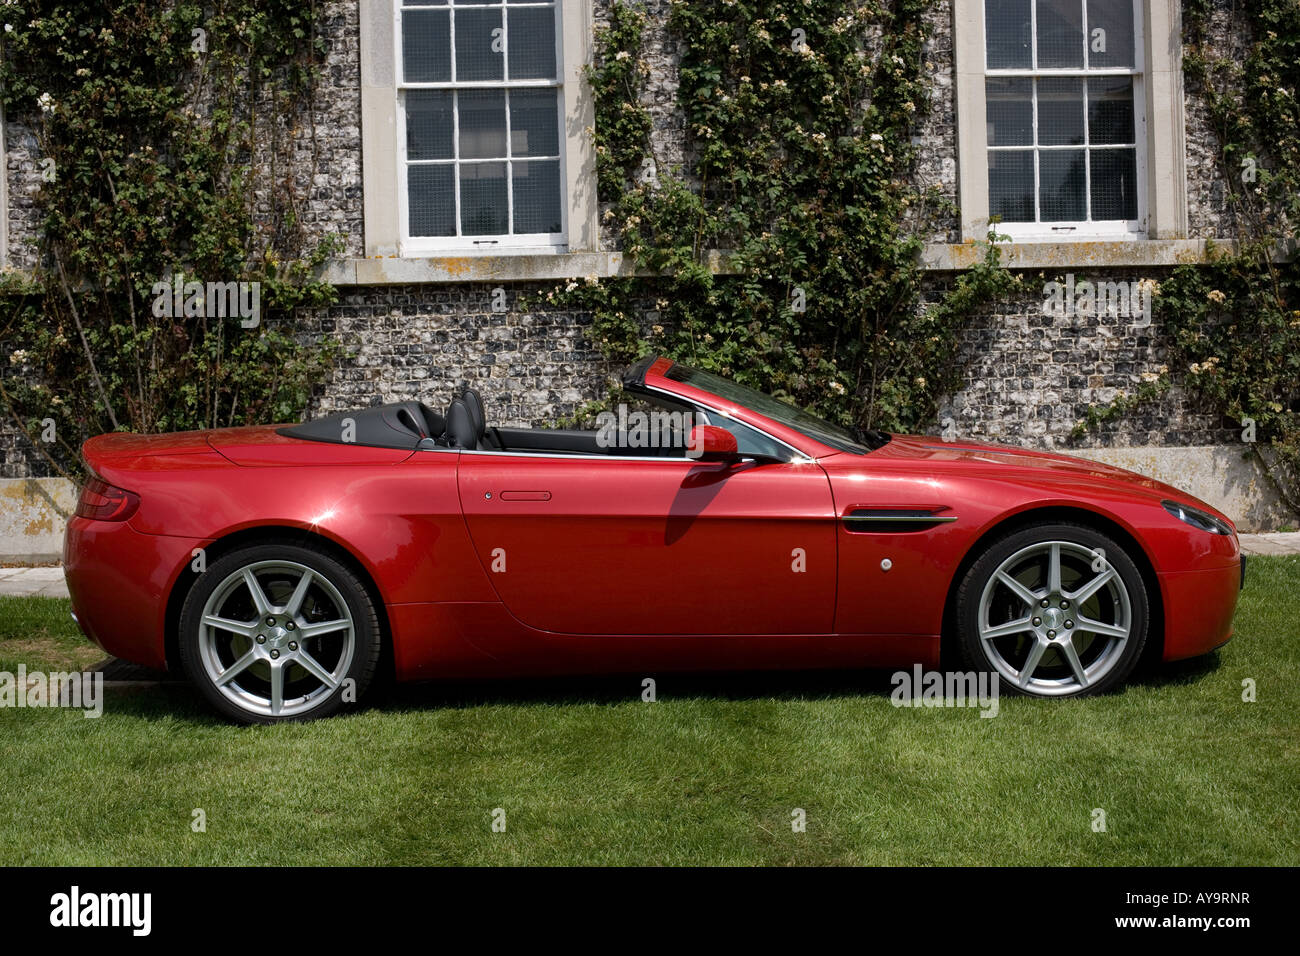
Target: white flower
[(46, 103), (18, 357)]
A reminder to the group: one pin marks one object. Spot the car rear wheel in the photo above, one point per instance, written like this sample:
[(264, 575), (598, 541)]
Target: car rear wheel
[(1055, 610), (273, 633)]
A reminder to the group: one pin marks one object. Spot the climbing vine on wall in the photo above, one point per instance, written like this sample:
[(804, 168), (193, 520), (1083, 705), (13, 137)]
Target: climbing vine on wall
[(163, 134), (799, 122), (1235, 322)]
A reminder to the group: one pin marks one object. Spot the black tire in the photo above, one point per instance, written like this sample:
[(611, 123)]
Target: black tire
[(203, 649), (1065, 655)]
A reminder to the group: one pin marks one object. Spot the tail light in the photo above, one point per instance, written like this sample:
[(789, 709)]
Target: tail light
[(101, 501)]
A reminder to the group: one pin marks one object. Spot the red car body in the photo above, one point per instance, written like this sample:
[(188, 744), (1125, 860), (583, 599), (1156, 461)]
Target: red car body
[(618, 563)]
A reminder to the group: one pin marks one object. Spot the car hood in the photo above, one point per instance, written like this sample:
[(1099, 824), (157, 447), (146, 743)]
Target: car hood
[(998, 460)]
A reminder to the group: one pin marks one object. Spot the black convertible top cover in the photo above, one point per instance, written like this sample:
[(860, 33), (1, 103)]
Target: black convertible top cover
[(398, 425)]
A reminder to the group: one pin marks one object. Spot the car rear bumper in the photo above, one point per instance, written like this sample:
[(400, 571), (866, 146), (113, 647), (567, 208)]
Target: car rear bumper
[(119, 581)]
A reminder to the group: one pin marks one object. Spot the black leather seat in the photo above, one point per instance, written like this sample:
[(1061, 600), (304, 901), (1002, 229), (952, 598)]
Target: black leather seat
[(462, 431), (435, 424), (488, 438), (474, 405)]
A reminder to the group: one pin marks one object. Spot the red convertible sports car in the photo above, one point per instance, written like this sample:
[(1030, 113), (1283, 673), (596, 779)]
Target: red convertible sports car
[(703, 526)]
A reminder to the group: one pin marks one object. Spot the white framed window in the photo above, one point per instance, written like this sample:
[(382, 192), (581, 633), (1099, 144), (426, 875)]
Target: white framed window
[(481, 151), (1065, 118)]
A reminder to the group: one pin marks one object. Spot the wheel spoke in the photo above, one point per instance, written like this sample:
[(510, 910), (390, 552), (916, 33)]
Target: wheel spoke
[(299, 594), (1092, 587), (313, 667), (307, 631), (1054, 569), (1020, 591), (255, 592), (1076, 665), (1097, 627), (1031, 662), (277, 687), (1002, 630), (235, 669), (242, 628)]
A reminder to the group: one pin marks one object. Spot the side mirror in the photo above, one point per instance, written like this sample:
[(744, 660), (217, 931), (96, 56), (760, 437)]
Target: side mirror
[(711, 443)]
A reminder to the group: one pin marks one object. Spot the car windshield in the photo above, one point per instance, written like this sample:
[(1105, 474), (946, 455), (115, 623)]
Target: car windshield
[(834, 436)]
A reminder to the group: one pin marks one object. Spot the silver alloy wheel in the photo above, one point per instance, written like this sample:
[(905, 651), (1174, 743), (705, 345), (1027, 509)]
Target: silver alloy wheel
[(294, 650), (1054, 618)]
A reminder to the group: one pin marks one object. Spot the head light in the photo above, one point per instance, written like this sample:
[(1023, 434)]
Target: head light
[(1197, 518)]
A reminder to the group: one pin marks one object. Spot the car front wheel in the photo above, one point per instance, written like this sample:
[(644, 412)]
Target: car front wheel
[(1055, 610), (273, 633)]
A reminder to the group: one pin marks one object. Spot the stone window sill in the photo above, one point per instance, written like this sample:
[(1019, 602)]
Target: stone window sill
[(1100, 254), (937, 257)]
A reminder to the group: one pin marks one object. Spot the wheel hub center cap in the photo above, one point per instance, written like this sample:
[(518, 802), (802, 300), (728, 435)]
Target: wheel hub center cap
[(1052, 618), (277, 638)]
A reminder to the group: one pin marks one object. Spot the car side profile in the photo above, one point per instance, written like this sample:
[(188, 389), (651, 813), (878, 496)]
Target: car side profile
[(710, 527)]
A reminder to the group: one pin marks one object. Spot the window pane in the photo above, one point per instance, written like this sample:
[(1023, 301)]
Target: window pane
[(1007, 32), (475, 57), (1110, 110), (429, 123), (1060, 34), (534, 123), (1110, 33), (1009, 108), (431, 199), (532, 43), (537, 196), (1061, 186), (1011, 185), (483, 199), (1114, 183), (1060, 111), (482, 124), (426, 46)]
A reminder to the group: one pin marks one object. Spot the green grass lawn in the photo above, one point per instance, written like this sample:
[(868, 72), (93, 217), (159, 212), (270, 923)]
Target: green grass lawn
[(1186, 772)]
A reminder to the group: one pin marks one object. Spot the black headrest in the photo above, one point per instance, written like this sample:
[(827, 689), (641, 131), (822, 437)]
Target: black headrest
[(461, 432), (474, 404)]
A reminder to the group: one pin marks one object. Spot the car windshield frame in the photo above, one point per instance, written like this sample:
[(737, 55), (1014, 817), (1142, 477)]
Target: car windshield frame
[(783, 413)]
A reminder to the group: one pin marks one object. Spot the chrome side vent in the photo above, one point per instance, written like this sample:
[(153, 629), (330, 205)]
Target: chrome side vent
[(894, 520)]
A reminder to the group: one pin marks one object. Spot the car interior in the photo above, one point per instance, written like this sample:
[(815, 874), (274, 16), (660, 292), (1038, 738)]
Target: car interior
[(414, 425)]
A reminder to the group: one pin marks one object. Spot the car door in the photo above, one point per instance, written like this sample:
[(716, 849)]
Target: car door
[(621, 545)]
